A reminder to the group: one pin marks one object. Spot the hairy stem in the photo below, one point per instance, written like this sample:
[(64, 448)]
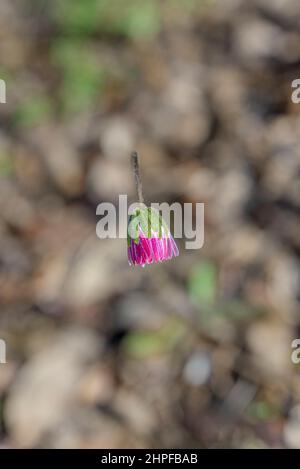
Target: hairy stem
[(137, 176)]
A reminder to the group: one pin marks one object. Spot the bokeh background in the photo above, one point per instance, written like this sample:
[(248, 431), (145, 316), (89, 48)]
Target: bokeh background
[(195, 352)]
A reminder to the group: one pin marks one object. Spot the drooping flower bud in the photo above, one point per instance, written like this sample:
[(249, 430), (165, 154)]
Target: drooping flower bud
[(149, 238)]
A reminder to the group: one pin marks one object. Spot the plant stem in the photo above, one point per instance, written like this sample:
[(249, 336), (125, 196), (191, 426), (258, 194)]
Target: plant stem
[(137, 176)]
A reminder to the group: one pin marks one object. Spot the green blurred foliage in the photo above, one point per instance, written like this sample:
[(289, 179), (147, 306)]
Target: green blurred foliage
[(127, 18), (82, 75), (143, 344), (6, 166), (76, 16), (131, 18), (203, 283), (33, 111), (262, 410), (5, 74)]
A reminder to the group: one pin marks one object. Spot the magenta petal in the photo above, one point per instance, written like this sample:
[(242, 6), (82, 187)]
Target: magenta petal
[(154, 249), (175, 250), (146, 247), (129, 256), (149, 250)]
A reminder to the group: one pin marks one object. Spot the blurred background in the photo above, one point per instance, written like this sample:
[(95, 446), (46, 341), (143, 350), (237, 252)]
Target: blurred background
[(191, 353)]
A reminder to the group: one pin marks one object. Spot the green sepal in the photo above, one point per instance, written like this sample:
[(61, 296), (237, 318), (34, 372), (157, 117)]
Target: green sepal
[(149, 220)]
